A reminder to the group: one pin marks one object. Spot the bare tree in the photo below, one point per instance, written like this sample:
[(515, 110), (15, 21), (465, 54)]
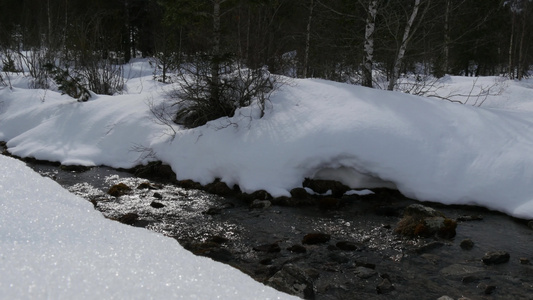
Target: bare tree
[(369, 43), (407, 35), (308, 38)]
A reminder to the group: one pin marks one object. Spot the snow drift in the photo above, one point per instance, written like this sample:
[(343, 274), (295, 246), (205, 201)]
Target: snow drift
[(429, 149), (56, 246)]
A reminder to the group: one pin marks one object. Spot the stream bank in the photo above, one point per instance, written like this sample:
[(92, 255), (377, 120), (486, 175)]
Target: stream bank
[(347, 250)]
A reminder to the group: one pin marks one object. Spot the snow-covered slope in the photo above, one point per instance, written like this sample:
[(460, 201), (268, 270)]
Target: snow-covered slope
[(429, 149), (54, 245)]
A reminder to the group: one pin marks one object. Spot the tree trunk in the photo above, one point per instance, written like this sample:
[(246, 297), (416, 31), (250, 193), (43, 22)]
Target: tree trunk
[(215, 60), (308, 39), (403, 46), (49, 25), (446, 63), (369, 43), (511, 45), (520, 62)]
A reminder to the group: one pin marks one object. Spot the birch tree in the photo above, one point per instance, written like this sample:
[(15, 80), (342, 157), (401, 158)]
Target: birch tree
[(407, 35), (369, 43)]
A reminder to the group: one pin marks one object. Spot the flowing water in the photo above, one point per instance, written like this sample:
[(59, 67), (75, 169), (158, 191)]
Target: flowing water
[(378, 264)]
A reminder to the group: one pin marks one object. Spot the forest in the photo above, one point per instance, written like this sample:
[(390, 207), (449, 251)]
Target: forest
[(366, 42)]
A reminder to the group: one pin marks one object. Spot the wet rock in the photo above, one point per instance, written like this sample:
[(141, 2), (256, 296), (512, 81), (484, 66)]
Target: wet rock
[(218, 239), (261, 204), (220, 254), (384, 194), (366, 265), (261, 195), (283, 201), (460, 270), (470, 278), (338, 258), (328, 203), (316, 238), (145, 186), (365, 273), (155, 204), (118, 190), (323, 186), (428, 247), (421, 211), (217, 210), (333, 248), (189, 184), (419, 220), (293, 202), (156, 170), (495, 257), (489, 289), (297, 249), (432, 258), (268, 248), (530, 224), (293, 280), (467, 218), (266, 261), (213, 211), (299, 193), (385, 287), (447, 229), (467, 244), (258, 195), (219, 188), (129, 218), (346, 246), (157, 196), (209, 249)]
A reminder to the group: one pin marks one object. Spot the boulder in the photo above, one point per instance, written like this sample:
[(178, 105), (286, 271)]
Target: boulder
[(261, 204), (346, 246), (467, 244), (323, 186), (118, 190), (419, 220), (299, 193), (156, 204), (495, 257), (129, 218), (293, 280), (297, 249), (316, 238)]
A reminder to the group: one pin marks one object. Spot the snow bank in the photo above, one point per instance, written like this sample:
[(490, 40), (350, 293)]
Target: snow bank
[(429, 149), (54, 245)]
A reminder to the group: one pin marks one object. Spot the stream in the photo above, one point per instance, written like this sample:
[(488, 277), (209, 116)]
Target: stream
[(355, 253)]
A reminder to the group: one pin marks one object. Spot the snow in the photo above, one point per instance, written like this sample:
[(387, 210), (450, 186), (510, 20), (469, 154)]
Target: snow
[(54, 245), (428, 148)]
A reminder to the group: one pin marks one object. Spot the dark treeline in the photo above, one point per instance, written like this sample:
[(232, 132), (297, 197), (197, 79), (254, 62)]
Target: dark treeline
[(329, 39)]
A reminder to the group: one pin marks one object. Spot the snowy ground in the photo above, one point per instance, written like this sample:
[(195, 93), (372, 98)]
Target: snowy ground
[(55, 245), (429, 148)]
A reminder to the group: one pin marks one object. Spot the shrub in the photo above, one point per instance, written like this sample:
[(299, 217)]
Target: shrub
[(67, 83), (102, 76), (211, 88)]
